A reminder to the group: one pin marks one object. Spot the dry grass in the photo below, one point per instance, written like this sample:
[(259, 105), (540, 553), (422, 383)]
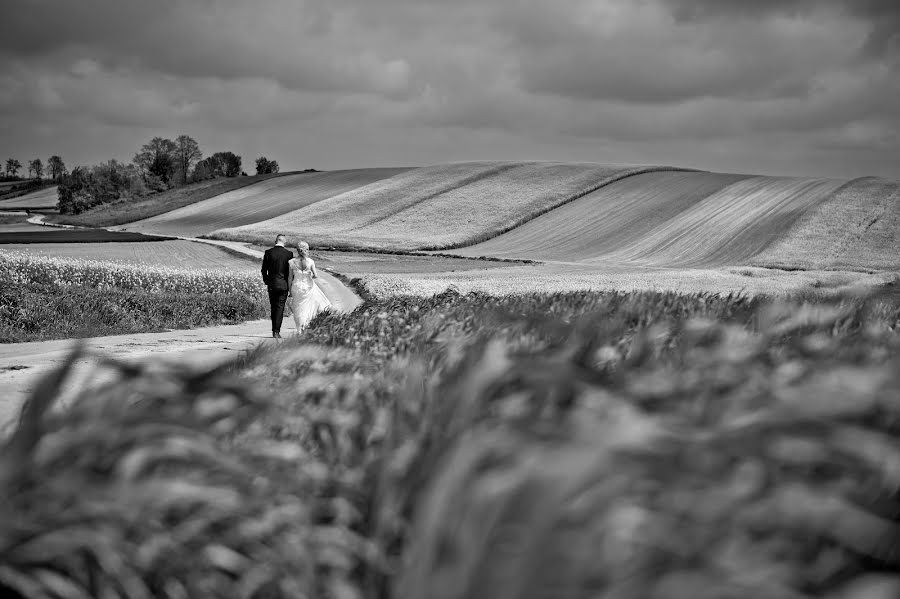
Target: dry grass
[(439, 207), (858, 227)]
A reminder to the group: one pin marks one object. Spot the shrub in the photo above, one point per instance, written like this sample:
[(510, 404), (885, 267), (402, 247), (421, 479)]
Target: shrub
[(85, 188)]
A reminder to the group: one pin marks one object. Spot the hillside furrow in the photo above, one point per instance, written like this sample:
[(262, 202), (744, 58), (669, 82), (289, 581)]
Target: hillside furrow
[(857, 227), (730, 226), (605, 220), (439, 207), (259, 202)]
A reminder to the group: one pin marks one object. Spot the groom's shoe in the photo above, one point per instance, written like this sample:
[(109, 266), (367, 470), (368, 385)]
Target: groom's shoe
[(276, 335)]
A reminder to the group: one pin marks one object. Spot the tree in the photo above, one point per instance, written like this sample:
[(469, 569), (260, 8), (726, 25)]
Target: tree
[(36, 167), (12, 167), (264, 166), (57, 167), (187, 153), (230, 163), (157, 159)]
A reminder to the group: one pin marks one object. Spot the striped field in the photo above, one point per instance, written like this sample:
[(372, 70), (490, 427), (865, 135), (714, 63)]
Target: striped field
[(668, 219), (438, 207), (258, 202)]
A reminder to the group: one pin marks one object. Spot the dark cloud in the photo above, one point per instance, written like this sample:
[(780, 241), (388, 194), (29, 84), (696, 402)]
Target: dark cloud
[(336, 83), (882, 16)]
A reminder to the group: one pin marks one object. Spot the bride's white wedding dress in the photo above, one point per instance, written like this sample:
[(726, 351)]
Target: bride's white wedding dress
[(306, 299)]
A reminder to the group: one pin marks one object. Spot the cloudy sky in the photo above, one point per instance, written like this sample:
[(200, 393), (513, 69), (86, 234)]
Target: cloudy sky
[(793, 87)]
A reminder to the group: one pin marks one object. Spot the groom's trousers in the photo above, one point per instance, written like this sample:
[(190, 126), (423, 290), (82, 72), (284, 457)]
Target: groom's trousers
[(277, 299)]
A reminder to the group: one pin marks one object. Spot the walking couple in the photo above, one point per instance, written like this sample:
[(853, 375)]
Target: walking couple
[(290, 280)]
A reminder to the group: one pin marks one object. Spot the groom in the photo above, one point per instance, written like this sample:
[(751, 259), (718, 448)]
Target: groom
[(275, 271)]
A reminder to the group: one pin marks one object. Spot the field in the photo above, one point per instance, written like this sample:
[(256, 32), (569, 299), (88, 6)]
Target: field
[(660, 408), (58, 297), (437, 207), (258, 202), (37, 234), (127, 211), (581, 445), (856, 228), (43, 199), (173, 253), (667, 219)]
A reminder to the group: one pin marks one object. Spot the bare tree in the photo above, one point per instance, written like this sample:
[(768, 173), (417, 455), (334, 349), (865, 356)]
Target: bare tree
[(187, 154), (57, 167)]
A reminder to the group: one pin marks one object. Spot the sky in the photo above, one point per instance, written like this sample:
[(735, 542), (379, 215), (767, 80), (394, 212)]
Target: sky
[(781, 87)]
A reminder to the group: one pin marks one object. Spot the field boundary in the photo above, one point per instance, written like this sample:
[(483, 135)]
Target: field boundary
[(563, 201)]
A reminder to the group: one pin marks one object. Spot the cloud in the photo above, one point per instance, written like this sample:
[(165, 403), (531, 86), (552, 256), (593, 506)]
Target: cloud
[(882, 17), (414, 80)]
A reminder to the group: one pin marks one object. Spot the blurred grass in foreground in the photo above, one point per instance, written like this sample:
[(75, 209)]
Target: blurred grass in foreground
[(582, 445)]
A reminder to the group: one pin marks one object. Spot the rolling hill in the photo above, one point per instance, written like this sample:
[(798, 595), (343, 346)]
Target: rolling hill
[(590, 215), (258, 202), (42, 198), (669, 219), (441, 206)]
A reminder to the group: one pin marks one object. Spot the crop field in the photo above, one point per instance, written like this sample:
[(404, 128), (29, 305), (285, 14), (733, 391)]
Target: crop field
[(566, 278), (260, 201), (22, 267), (59, 297), (169, 253), (667, 219), (630, 445), (37, 234), (607, 219), (41, 199), (856, 228), (438, 207)]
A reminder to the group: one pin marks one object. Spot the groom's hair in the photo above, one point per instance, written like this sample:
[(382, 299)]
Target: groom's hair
[(280, 237)]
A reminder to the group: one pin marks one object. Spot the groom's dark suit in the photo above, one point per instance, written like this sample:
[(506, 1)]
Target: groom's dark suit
[(275, 271)]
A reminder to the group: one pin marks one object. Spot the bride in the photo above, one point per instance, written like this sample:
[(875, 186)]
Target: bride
[(305, 297)]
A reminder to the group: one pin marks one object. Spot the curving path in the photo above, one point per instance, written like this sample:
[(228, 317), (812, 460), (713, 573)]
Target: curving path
[(22, 364)]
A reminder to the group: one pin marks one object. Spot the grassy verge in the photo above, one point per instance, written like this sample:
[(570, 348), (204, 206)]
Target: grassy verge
[(35, 312), (643, 445), (130, 211)]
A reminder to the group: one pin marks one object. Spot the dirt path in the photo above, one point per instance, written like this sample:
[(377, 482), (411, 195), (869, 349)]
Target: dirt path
[(22, 364)]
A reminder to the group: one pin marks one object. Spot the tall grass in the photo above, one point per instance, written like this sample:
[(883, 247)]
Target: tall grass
[(54, 298), (576, 445)]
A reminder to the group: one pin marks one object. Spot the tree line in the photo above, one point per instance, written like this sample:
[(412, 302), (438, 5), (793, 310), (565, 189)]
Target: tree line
[(159, 165), (55, 168)]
